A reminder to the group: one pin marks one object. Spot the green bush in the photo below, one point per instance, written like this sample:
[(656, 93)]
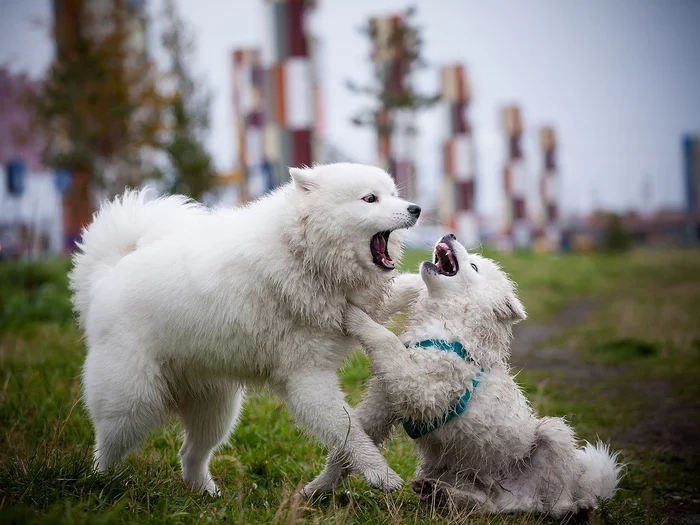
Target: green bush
[(32, 293), (615, 237)]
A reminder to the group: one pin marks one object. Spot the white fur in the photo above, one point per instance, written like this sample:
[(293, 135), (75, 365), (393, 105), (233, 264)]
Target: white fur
[(498, 455), (183, 306)]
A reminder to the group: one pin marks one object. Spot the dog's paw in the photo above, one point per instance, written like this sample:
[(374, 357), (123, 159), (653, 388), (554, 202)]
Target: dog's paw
[(321, 485), (213, 490), (204, 485), (314, 490), (385, 480), (423, 488)]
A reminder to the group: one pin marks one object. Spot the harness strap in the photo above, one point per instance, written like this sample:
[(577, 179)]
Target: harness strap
[(417, 429)]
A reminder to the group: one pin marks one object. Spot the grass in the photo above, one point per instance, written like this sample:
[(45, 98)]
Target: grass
[(637, 360)]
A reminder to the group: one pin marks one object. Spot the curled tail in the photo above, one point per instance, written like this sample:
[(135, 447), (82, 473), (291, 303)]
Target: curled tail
[(122, 226), (602, 470)]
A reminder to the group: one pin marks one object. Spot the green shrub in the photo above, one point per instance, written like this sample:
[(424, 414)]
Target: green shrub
[(32, 293)]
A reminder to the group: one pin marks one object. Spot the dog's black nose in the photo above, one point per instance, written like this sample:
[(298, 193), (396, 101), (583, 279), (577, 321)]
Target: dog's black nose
[(453, 236), (414, 210)]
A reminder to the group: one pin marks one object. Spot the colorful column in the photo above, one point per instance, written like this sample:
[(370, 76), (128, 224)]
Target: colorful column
[(691, 161), (457, 199), (292, 88), (395, 141), (516, 225), (248, 101), (550, 230)]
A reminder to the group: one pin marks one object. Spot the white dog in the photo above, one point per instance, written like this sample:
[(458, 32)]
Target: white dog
[(183, 306), (479, 441)]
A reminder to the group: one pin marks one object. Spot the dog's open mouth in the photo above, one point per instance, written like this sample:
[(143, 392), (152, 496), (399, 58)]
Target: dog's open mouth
[(379, 246), (444, 261)]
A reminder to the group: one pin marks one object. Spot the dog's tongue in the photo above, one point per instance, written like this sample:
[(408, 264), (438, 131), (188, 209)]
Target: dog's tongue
[(379, 243)]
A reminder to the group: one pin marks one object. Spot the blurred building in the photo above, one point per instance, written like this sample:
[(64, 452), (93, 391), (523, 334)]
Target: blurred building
[(277, 98), (395, 126), (30, 211), (249, 102), (691, 162), (517, 231), (18, 139), (456, 206), (548, 227)]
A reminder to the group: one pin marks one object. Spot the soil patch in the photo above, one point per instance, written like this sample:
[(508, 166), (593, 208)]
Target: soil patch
[(670, 425)]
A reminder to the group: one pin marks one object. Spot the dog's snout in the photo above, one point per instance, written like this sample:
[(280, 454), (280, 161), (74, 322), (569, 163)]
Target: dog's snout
[(414, 210), (453, 236)]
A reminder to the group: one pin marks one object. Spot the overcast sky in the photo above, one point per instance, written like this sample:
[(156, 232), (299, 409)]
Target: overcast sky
[(619, 79)]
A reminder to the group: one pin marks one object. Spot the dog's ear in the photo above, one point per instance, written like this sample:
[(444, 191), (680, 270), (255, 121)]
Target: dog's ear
[(303, 179), (511, 310)]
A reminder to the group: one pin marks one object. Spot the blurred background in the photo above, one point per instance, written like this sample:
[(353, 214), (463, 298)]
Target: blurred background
[(547, 125)]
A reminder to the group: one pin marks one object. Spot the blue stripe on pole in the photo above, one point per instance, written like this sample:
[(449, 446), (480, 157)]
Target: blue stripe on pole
[(15, 178), (690, 144), (63, 181)]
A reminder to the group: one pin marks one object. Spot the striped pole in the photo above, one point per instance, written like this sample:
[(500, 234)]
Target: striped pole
[(457, 200), (395, 143), (517, 231), (248, 102), (549, 193), (292, 90)]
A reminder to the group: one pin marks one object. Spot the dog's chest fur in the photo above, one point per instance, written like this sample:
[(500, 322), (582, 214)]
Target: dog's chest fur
[(497, 429)]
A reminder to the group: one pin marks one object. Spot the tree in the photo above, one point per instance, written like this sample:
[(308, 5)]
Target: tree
[(99, 105), (99, 102), (190, 165), (393, 88)]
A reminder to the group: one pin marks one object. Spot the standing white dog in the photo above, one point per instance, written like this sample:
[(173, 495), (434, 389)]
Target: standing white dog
[(182, 306), (479, 441)]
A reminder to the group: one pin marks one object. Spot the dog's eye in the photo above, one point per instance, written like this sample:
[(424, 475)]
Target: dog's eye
[(475, 268), (370, 198)]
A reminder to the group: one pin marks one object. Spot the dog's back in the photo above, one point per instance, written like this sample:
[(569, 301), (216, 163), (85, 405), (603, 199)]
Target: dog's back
[(120, 227)]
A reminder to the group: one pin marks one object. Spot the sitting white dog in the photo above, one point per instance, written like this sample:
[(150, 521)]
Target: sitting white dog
[(479, 441)]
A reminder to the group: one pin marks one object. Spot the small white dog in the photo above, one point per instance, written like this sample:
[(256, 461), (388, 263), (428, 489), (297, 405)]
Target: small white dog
[(183, 306), (479, 441)]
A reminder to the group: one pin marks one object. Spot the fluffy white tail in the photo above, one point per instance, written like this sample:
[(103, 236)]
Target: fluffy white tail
[(601, 470), (119, 228)]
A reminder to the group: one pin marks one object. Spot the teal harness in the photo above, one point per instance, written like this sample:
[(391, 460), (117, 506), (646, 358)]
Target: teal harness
[(417, 429)]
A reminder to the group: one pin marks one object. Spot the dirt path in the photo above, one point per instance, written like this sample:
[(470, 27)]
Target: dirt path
[(670, 425), (528, 349)]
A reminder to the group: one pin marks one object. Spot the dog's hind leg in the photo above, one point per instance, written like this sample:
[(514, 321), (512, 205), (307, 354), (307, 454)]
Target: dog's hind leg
[(124, 406), (459, 499), (376, 419), (208, 416), (315, 399)]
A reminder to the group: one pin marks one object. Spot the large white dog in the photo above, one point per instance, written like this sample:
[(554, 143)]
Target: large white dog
[(183, 306), (479, 441)]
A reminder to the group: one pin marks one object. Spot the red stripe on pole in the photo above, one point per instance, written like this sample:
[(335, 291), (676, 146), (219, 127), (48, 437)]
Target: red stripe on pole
[(278, 93), (301, 147), (465, 200), (297, 39)]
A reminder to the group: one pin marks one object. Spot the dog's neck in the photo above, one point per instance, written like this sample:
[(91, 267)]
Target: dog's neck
[(487, 341), (334, 272)]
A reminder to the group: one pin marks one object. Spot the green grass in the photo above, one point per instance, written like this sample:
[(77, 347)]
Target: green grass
[(641, 345)]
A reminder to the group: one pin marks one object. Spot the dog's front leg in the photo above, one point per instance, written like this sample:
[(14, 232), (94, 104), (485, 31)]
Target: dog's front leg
[(404, 291), (420, 384), (377, 420), (315, 399)]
